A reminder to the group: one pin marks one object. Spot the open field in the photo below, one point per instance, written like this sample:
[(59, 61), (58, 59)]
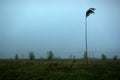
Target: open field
[(59, 70)]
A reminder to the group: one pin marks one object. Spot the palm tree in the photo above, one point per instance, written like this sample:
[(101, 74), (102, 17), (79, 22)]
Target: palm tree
[(89, 11)]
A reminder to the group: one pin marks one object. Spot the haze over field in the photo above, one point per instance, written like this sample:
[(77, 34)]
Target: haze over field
[(40, 26)]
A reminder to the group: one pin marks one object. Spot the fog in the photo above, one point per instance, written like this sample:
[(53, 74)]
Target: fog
[(40, 26)]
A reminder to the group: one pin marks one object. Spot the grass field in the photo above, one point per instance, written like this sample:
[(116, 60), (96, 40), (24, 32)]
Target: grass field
[(59, 70)]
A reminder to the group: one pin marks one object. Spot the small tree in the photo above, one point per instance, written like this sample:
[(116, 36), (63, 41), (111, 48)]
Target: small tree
[(104, 57), (16, 57), (31, 56), (50, 55), (115, 57)]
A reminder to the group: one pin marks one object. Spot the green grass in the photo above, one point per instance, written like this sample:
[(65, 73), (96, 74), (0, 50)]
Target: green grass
[(59, 70)]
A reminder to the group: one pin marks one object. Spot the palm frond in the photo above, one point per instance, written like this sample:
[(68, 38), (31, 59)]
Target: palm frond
[(90, 11)]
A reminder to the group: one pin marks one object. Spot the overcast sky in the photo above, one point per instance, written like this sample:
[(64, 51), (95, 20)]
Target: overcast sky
[(58, 25)]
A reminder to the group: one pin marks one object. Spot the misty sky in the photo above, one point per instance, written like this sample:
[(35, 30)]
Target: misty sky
[(58, 25)]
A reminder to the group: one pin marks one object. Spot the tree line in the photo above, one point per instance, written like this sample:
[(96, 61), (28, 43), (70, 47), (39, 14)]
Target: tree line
[(50, 56)]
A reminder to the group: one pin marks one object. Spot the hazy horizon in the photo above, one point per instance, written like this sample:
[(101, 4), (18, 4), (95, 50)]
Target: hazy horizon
[(40, 26)]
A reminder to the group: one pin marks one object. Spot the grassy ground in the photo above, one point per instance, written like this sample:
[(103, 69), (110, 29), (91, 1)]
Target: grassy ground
[(59, 70)]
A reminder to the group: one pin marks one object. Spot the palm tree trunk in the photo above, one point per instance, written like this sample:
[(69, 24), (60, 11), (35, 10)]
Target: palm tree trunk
[(86, 51), (89, 11)]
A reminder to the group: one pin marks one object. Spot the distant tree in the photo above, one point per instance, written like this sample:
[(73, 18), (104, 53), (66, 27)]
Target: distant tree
[(70, 56), (57, 57), (31, 56), (16, 57), (74, 57), (22, 56), (85, 57), (103, 57), (115, 57), (41, 57), (50, 55)]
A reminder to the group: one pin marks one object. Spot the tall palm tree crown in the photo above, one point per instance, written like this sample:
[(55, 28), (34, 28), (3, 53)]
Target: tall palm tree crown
[(90, 11)]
